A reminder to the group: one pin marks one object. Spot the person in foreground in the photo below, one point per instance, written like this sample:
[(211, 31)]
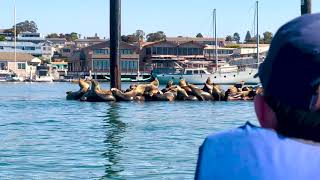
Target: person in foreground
[(286, 146)]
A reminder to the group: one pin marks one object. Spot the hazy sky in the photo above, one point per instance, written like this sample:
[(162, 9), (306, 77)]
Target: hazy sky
[(174, 17)]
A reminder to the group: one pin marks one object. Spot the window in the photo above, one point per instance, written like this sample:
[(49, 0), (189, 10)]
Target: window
[(180, 51), (148, 51), (202, 72), (21, 65), (154, 50), (159, 50), (190, 51), (188, 72), (196, 72), (170, 52), (184, 51), (101, 51)]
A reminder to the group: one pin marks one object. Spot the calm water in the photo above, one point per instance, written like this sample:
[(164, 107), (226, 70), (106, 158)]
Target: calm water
[(43, 136)]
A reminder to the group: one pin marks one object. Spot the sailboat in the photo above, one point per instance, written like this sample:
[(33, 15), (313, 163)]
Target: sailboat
[(224, 74), (12, 76)]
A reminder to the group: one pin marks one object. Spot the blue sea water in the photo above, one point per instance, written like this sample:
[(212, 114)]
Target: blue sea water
[(43, 136)]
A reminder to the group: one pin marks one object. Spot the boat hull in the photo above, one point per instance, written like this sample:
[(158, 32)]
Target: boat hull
[(218, 78)]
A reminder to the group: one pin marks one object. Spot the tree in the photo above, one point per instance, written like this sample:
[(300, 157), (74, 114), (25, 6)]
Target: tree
[(248, 37), (26, 26), (2, 38), (199, 35), (140, 34), (132, 38), (157, 36), (267, 37), (74, 36), (229, 38), (236, 37), (52, 35)]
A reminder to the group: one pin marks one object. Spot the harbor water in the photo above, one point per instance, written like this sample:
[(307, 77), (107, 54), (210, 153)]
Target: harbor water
[(43, 136)]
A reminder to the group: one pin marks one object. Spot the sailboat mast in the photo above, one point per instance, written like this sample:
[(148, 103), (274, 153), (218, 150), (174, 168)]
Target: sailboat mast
[(215, 37), (258, 39), (15, 38)]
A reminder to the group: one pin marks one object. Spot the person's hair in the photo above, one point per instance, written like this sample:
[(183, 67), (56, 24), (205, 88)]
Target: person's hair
[(293, 122)]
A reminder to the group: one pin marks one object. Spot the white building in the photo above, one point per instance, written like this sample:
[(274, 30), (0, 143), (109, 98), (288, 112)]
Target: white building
[(24, 64), (39, 50)]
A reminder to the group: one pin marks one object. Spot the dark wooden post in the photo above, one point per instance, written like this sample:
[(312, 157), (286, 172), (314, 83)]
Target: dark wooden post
[(115, 35), (305, 7)]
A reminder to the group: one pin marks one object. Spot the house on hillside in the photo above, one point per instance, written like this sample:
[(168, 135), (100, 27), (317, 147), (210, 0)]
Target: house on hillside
[(24, 65)]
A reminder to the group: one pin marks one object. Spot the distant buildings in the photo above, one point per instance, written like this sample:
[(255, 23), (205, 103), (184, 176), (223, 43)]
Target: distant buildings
[(82, 43), (24, 65), (96, 58), (203, 41)]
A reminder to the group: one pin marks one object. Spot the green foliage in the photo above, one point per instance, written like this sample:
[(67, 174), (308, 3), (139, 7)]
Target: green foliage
[(236, 37), (267, 37), (233, 46), (248, 38), (26, 26), (140, 34), (74, 36), (132, 38), (199, 35), (52, 35), (157, 36), (2, 38), (229, 38)]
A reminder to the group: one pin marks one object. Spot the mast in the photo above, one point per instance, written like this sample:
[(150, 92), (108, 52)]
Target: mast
[(306, 7), (258, 39), (215, 37), (15, 38)]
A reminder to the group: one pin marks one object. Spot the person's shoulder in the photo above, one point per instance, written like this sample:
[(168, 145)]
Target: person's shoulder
[(247, 132), (242, 130)]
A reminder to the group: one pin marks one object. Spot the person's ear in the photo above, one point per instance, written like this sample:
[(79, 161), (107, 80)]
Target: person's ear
[(265, 114)]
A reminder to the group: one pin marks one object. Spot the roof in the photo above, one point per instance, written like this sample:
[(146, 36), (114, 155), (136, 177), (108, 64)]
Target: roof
[(106, 44), (90, 40), (56, 39), (173, 43), (253, 45), (213, 47), (187, 39), (9, 56), (59, 63)]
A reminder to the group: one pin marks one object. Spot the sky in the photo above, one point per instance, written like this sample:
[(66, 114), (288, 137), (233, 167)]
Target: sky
[(174, 17)]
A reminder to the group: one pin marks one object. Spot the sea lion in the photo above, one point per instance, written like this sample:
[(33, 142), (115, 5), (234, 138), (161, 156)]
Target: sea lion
[(84, 88), (96, 94), (148, 91)]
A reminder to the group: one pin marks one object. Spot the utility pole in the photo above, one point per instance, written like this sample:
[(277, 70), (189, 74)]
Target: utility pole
[(115, 34), (306, 7)]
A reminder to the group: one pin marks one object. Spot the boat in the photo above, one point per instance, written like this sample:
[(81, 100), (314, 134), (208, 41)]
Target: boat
[(137, 79), (198, 76), (223, 74), (42, 75)]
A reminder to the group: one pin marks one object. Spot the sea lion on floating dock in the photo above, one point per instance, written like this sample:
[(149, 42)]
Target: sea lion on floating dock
[(84, 88), (137, 92), (96, 94)]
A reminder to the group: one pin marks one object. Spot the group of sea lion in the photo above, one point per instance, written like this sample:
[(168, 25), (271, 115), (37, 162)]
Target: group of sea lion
[(150, 92)]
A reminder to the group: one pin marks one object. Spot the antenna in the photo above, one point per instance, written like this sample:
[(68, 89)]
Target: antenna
[(258, 39), (215, 37), (15, 38)]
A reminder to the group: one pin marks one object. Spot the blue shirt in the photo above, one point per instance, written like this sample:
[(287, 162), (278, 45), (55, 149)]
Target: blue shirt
[(251, 152)]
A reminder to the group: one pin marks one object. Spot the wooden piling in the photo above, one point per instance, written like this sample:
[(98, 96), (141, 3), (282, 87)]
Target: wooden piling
[(306, 7), (115, 35)]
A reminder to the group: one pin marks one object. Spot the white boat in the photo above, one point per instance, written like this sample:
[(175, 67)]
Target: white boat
[(43, 79), (42, 75), (223, 74), (200, 75)]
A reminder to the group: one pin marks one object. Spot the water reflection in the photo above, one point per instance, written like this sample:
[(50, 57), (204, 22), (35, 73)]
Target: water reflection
[(115, 129)]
